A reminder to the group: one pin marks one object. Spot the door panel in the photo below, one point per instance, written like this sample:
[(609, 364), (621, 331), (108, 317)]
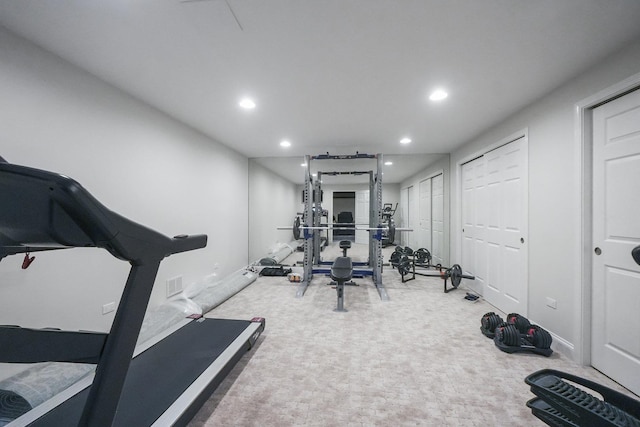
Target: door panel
[(506, 233), (494, 226), (404, 216), (362, 216), (437, 217), (474, 245), (423, 238), (616, 231)]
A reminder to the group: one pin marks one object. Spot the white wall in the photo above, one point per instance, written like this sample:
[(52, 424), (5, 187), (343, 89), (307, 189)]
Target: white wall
[(554, 195), (134, 159), (441, 166), (273, 202)]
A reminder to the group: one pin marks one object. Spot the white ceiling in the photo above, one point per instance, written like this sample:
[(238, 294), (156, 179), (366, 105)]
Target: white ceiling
[(335, 76)]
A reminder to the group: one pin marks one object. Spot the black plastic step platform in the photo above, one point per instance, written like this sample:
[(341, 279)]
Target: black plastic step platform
[(560, 403)]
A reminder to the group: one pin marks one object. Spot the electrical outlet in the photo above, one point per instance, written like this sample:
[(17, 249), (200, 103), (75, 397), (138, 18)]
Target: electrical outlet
[(109, 307), (552, 303), (174, 286)]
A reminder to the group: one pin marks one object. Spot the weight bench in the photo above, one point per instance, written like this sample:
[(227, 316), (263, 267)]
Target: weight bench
[(344, 245), (341, 272)]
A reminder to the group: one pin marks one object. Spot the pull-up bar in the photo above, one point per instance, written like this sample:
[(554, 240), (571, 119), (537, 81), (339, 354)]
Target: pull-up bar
[(343, 156)]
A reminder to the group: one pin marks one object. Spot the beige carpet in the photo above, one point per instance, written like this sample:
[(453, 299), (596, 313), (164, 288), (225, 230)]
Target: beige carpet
[(417, 360)]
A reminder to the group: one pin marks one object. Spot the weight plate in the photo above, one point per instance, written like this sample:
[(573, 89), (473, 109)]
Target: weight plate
[(508, 334), (296, 228), (455, 273), (423, 256), (540, 337), (520, 322), (404, 265), (490, 321)]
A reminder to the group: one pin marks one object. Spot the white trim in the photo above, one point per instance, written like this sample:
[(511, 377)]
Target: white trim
[(583, 207)]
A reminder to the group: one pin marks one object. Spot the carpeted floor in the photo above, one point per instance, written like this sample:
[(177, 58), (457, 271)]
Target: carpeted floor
[(416, 360)]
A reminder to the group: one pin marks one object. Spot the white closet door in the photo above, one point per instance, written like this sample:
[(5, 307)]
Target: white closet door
[(494, 226), (423, 237), (437, 219), (616, 231), (404, 217), (506, 285), (474, 251), (413, 216), (362, 216)]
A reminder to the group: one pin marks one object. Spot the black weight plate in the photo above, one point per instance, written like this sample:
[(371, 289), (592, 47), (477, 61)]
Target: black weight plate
[(511, 336), (490, 321), (423, 256), (455, 273), (394, 259), (296, 228), (520, 322), (540, 337), (404, 265)]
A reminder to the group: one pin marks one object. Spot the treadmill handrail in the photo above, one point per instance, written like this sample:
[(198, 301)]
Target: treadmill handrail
[(51, 211), (47, 210)]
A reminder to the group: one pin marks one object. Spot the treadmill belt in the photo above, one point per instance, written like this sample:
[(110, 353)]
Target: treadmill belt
[(158, 376)]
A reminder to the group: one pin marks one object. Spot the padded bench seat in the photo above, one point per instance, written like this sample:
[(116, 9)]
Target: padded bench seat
[(341, 272), (344, 245), (342, 269)]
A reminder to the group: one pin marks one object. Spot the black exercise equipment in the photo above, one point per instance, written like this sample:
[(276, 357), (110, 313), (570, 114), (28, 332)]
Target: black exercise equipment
[(44, 211), (423, 257), (559, 403), (389, 236), (296, 228), (404, 259), (520, 322), (341, 272), (488, 324), (517, 334), (345, 245)]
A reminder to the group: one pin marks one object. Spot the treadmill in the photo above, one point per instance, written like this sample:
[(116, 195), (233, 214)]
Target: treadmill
[(162, 382)]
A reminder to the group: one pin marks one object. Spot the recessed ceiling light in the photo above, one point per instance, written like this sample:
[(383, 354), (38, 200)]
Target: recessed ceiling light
[(285, 143), (388, 163), (247, 103), (438, 95), (304, 165), (405, 140)]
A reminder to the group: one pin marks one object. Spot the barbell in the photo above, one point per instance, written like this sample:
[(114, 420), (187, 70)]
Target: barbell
[(454, 273)]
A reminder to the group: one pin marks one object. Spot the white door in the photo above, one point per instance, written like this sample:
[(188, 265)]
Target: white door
[(423, 234), (506, 285), (616, 231), (474, 259), (494, 226), (404, 216), (413, 216), (362, 216), (437, 219)]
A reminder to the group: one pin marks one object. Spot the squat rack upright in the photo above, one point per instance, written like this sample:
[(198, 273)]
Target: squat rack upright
[(312, 198)]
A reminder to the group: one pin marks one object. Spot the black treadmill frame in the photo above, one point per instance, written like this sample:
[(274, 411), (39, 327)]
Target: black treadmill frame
[(48, 211)]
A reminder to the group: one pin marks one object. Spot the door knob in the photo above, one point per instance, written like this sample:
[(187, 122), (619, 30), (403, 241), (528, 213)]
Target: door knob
[(598, 251)]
